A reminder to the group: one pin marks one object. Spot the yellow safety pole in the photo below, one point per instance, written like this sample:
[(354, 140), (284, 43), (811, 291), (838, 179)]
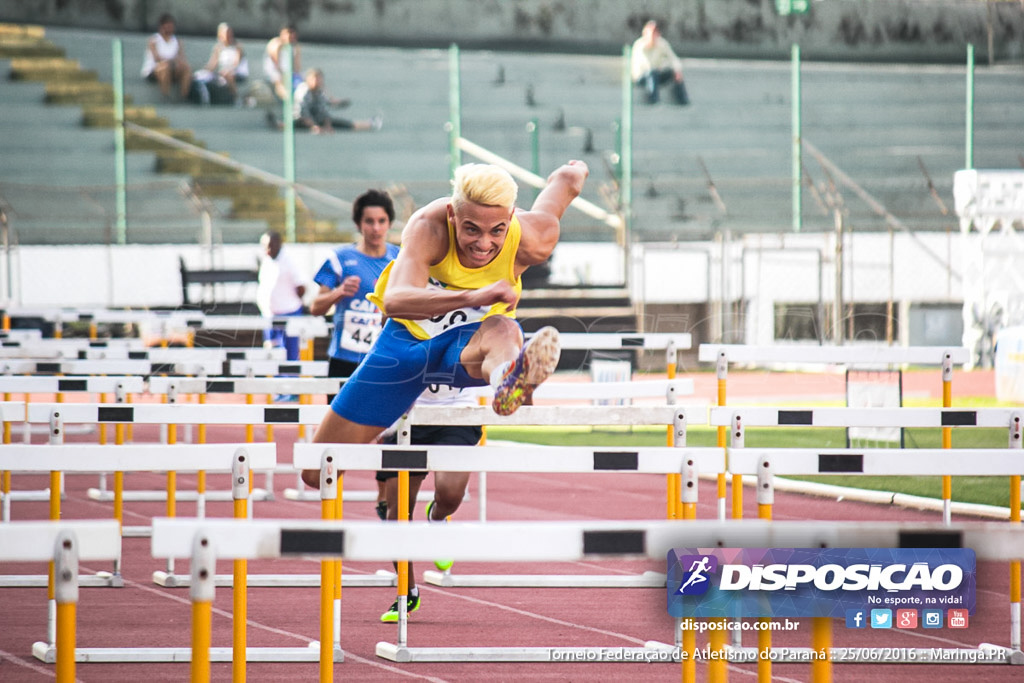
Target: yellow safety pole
[(337, 566), (329, 493), (249, 429), (674, 479), (130, 427), (119, 477), (764, 637), (201, 474), (202, 593), (51, 587), (718, 671), (66, 596), (102, 431), (5, 476), (821, 641), (689, 656), (240, 479), (172, 476), (403, 516), (270, 427), (722, 372), (947, 434), (1016, 438)]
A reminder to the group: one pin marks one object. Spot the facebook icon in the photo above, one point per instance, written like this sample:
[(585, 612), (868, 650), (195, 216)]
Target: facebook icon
[(856, 618)]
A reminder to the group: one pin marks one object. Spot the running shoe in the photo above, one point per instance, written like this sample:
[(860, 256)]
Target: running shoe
[(535, 364), (382, 510), (412, 604), (442, 565)]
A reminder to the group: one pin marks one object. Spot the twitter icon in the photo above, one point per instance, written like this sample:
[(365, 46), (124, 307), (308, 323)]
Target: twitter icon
[(881, 618)]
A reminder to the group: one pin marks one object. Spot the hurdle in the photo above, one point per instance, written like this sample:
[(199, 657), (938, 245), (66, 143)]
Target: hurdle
[(273, 368), (180, 413), (63, 544), (233, 458), (57, 458), (569, 542), (723, 354), (109, 366), (873, 356), (854, 461), (14, 412), (75, 347), (661, 460)]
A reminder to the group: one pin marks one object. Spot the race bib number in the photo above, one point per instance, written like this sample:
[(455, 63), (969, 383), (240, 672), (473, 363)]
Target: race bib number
[(360, 330), (460, 316)]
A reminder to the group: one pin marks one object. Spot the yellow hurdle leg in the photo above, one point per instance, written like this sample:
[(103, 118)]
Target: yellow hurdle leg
[(689, 658), (202, 615), (66, 616), (240, 604), (821, 641), (327, 568)]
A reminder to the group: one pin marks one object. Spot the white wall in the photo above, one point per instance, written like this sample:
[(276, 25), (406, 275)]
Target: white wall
[(762, 269)]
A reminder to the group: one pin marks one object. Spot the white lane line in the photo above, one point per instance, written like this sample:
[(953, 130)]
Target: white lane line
[(281, 632), (8, 657)]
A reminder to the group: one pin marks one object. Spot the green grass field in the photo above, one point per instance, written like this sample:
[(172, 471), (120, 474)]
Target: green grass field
[(984, 490)]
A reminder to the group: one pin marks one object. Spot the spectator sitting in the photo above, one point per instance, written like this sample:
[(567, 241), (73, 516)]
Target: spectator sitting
[(273, 70), (654, 63), (164, 62), (313, 109), (227, 67)]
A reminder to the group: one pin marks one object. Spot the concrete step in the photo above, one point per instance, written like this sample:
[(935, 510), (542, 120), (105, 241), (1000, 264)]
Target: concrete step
[(94, 116), (176, 161), (79, 93), (28, 46), (134, 142), (50, 70), (234, 187), (39, 68), (22, 31)]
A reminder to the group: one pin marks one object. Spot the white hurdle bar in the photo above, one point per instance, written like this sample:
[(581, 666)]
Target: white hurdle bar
[(273, 368), (210, 413), (89, 458), (63, 544), (156, 354), (873, 355), (167, 414), (1005, 418), (22, 366), (233, 458), (13, 413), (853, 354), (567, 542), (666, 390), (688, 462)]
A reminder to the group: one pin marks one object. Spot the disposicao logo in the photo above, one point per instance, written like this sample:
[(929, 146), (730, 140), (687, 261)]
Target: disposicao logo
[(697, 579), (817, 582)]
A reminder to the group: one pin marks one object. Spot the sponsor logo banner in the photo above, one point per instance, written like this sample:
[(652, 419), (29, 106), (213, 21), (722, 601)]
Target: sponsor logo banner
[(819, 582)]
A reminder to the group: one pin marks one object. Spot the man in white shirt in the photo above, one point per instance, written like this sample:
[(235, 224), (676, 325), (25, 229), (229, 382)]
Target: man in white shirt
[(654, 63), (280, 291)]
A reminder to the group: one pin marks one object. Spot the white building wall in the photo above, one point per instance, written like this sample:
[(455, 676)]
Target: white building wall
[(761, 269)]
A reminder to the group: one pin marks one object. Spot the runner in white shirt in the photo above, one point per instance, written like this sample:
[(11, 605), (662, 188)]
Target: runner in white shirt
[(280, 291)]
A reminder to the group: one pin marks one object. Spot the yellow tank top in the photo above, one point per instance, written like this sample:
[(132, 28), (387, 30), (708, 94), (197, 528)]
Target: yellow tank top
[(450, 274)]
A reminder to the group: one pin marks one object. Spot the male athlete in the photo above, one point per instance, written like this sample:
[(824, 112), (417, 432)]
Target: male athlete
[(450, 297)]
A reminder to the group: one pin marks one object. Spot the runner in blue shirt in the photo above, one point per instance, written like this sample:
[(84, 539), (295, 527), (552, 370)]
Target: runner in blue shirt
[(348, 275)]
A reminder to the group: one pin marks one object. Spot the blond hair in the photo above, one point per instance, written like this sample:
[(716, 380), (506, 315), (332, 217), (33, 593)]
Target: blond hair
[(484, 184)]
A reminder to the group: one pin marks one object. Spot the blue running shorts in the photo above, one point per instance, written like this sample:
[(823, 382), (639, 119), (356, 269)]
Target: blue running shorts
[(397, 370)]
